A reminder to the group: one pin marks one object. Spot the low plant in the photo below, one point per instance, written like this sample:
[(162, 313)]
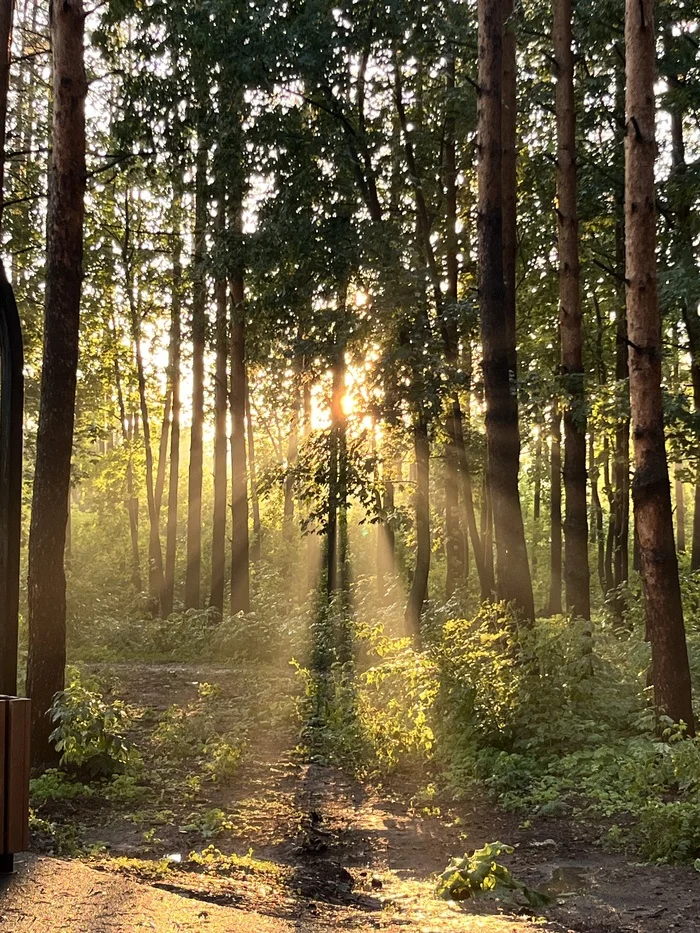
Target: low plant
[(193, 732), (482, 875), (90, 732)]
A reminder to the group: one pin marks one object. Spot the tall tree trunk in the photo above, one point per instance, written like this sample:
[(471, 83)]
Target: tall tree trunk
[(679, 492), (502, 433), (7, 12), (163, 442), (174, 474), (537, 502), (555, 607), (419, 584), (155, 554), (594, 471), (454, 537), (291, 462), (486, 523), (685, 257), (193, 572), (64, 270), (218, 541), (576, 570), (509, 182), (680, 509), (337, 470), (612, 520), (384, 485), (620, 508), (240, 538), (651, 489), (621, 464), (256, 543), (132, 503)]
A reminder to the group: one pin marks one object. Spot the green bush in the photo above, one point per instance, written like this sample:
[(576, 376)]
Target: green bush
[(90, 732)]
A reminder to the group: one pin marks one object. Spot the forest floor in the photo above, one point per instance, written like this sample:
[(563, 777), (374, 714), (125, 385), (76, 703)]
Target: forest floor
[(307, 847)]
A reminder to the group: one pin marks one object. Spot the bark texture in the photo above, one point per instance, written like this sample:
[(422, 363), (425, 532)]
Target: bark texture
[(513, 582), (218, 541), (419, 583), (651, 489), (7, 11), (174, 471), (555, 606), (64, 272), (576, 569), (199, 331), (240, 536)]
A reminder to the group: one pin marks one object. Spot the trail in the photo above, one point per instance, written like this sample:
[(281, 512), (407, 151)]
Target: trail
[(337, 856)]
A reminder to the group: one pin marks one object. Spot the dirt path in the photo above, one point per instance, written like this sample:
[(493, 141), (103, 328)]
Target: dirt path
[(328, 853)]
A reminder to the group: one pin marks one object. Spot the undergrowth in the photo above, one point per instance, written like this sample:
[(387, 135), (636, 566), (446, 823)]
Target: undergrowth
[(555, 720)]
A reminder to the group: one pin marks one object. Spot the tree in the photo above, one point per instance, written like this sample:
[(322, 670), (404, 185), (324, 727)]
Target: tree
[(576, 571), (7, 12), (64, 259), (218, 543), (513, 582), (199, 336), (240, 535), (651, 490), (174, 471)]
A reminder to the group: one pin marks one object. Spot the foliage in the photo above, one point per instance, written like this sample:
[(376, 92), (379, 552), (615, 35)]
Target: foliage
[(192, 732), (208, 823), (56, 785), (481, 875), (212, 861), (90, 732), (555, 720)]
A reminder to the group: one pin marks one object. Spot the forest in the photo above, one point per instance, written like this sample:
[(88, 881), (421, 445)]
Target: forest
[(360, 507)]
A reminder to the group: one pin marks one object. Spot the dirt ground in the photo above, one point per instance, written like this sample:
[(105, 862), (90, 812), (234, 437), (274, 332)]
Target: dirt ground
[(329, 854)]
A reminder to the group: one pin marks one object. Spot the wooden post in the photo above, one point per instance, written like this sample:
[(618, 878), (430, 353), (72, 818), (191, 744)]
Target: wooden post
[(14, 712)]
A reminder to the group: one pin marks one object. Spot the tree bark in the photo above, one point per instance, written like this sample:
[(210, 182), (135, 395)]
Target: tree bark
[(174, 473), (685, 257), (576, 570), (513, 580), (510, 183), (454, 536), (291, 461), (651, 489), (155, 554), (7, 11), (64, 271), (256, 543), (555, 607), (597, 515), (218, 541), (132, 503), (679, 492), (336, 471), (240, 538), (199, 331), (419, 584), (163, 443), (621, 465), (680, 509)]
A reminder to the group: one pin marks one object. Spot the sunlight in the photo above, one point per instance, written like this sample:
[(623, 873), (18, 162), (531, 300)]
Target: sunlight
[(348, 404)]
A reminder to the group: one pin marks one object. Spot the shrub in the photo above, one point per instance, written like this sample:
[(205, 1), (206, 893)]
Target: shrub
[(90, 732)]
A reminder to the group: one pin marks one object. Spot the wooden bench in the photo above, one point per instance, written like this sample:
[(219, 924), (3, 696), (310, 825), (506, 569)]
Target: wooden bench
[(14, 779)]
